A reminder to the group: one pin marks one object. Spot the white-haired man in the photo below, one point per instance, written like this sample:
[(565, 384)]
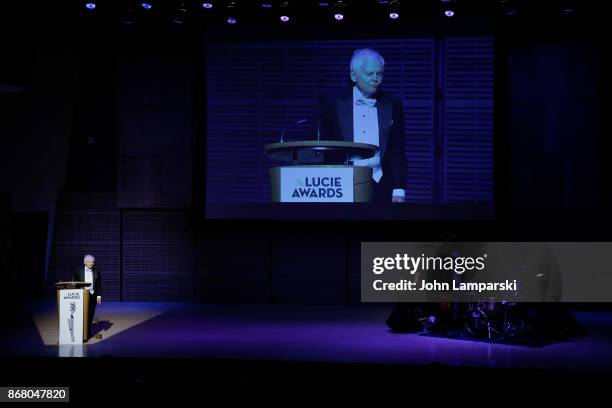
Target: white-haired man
[(364, 113), (89, 273)]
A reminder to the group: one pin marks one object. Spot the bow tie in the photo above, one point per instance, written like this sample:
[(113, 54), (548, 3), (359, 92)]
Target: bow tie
[(369, 102)]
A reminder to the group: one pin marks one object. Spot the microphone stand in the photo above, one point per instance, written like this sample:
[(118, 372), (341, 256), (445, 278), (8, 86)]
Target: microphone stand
[(299, 122)]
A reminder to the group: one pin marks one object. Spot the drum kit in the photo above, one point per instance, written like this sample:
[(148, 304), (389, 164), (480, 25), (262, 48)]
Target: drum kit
[(493, 320)]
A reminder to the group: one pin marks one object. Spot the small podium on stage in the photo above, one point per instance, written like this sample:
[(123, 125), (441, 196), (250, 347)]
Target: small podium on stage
[(72, 309), (320, 171)]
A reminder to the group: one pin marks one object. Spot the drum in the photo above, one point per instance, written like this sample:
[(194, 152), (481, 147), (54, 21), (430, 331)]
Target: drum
[(495, 320)]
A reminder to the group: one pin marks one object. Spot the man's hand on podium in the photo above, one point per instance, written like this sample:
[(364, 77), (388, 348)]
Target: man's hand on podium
[(99, 299), (398, 199)]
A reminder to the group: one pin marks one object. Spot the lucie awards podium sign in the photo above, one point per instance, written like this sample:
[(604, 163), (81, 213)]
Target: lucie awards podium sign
[(301, 184)]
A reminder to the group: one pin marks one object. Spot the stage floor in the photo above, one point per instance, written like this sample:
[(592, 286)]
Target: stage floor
[(301, 333)]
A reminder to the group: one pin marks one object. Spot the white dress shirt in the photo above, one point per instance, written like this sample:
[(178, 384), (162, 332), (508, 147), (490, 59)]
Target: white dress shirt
[(365, 130), (89, 279)]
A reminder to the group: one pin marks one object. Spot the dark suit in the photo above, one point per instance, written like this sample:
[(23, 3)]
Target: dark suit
[(79, 275), (335, 121)]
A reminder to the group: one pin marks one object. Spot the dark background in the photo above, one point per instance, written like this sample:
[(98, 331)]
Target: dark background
[(103, 130)]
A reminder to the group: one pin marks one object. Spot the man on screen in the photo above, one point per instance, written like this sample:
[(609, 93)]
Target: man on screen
[(89, 273), (364, 113)]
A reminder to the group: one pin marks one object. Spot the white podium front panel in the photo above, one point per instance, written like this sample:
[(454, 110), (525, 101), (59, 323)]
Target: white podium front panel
[(316, 185), (71, 315)]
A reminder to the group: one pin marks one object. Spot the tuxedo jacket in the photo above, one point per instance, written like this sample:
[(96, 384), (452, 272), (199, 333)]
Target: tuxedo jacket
[(79, 275), (335, 122)]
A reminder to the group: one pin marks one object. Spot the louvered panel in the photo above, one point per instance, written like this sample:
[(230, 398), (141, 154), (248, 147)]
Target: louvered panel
[(158, 259), (86, 223), (419, 151), (223, 261), (468, 166), (257, 89), (298, 276), (468, 119)]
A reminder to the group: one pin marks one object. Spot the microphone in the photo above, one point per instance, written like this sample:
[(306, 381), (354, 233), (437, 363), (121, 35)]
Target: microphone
[(299, 122)]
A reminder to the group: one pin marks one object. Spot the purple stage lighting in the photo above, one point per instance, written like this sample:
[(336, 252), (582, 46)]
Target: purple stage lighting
[(90, 5), (285, 11), (394, 9), (146, 6), (231, 20), (338, 10), (207, 5), (449, 13)]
